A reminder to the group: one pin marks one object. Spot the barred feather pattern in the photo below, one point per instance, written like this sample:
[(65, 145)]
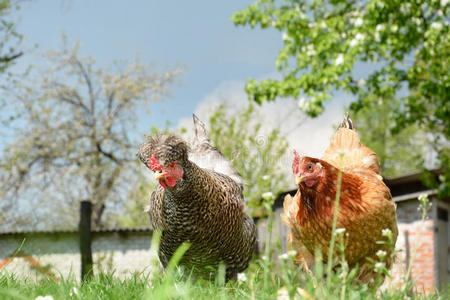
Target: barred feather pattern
[(205, 208)]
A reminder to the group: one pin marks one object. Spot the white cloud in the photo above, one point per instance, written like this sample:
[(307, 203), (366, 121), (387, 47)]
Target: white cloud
[(308, 136)]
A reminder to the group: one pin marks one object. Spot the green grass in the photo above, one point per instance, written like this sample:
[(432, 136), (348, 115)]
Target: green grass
[(260, 284)]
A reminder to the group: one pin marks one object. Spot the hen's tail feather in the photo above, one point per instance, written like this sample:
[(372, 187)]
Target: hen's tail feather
[(199, 127), (347, 122)]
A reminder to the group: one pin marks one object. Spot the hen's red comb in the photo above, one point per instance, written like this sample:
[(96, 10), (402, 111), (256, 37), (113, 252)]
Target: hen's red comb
[(153, 163), (296, 158), (295, 164)]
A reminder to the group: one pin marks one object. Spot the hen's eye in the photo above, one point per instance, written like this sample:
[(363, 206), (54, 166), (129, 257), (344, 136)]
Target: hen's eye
[(309, 167)]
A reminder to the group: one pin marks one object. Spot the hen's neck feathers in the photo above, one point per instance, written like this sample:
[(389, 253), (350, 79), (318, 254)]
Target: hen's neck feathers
[(318, 202)]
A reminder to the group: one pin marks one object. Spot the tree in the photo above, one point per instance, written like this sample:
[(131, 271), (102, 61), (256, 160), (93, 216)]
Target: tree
[(402, 45), (256, 155), (9, 37), (73, 135)]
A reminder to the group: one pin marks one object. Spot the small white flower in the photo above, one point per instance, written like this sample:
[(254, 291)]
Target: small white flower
[(266, 177), (380, 27), (339, 60), (353, 43), (436, 25), (379, 266), (417, 21), (386, 232), (241, 277), (323, 25), (358, 22), (285, 36), (381, 254), (283, 294), (283, 256), (361, 82), (302, 102), (267, 196), (310, 50), (48, 297), (394, 28), (359, 36), (339, 230), (444, 2), (292, 253), (423, 197)]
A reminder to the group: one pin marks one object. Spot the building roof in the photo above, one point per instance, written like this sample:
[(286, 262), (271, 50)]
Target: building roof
[(75, 230), (402, 188)]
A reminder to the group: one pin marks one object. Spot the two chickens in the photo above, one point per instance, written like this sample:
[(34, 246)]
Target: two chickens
[(200, 200)]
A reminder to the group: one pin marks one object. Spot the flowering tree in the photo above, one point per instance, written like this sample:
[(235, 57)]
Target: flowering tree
[(401, 46), (9, 38), (71, 136)]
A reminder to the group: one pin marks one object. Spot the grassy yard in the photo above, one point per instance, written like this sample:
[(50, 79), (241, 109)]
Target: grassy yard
[(259, 282), (269, 277)]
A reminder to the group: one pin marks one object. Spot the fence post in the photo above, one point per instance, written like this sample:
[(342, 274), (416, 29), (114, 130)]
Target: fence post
[(85, 240)]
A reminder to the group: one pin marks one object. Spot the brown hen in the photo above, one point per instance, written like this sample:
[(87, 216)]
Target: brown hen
[(365, 204)]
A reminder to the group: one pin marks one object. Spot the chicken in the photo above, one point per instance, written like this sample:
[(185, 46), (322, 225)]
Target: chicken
[(199, 200), (365, 205)]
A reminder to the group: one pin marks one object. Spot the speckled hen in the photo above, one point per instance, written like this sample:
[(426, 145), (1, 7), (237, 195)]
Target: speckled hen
[(365, 208), (199, 200)]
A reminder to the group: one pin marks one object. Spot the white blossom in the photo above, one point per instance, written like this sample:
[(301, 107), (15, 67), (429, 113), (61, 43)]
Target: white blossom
[(266, 177), (417, 21), (302, 102), (339, 60), (283, 256), (444, 2), (48, 297), (358, 22), (241, 277), (339, 231), (423, 197), (394, 28), (386, 232), (359, 37), (381, 254), (361, 82), (379, 266), (73, 291), (380, 27), (285, 36), (436, 25), (310, 50), (267, 196), (292, 253)]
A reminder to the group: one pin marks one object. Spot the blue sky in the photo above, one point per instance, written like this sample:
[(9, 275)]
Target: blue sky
[(197, 35)]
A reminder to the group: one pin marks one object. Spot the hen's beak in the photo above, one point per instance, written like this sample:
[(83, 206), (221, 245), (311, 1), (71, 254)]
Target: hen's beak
[(159, 175), (299, 179)]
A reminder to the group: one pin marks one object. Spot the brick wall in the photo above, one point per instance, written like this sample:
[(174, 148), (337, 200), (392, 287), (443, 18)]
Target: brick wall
[(416, 244)]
